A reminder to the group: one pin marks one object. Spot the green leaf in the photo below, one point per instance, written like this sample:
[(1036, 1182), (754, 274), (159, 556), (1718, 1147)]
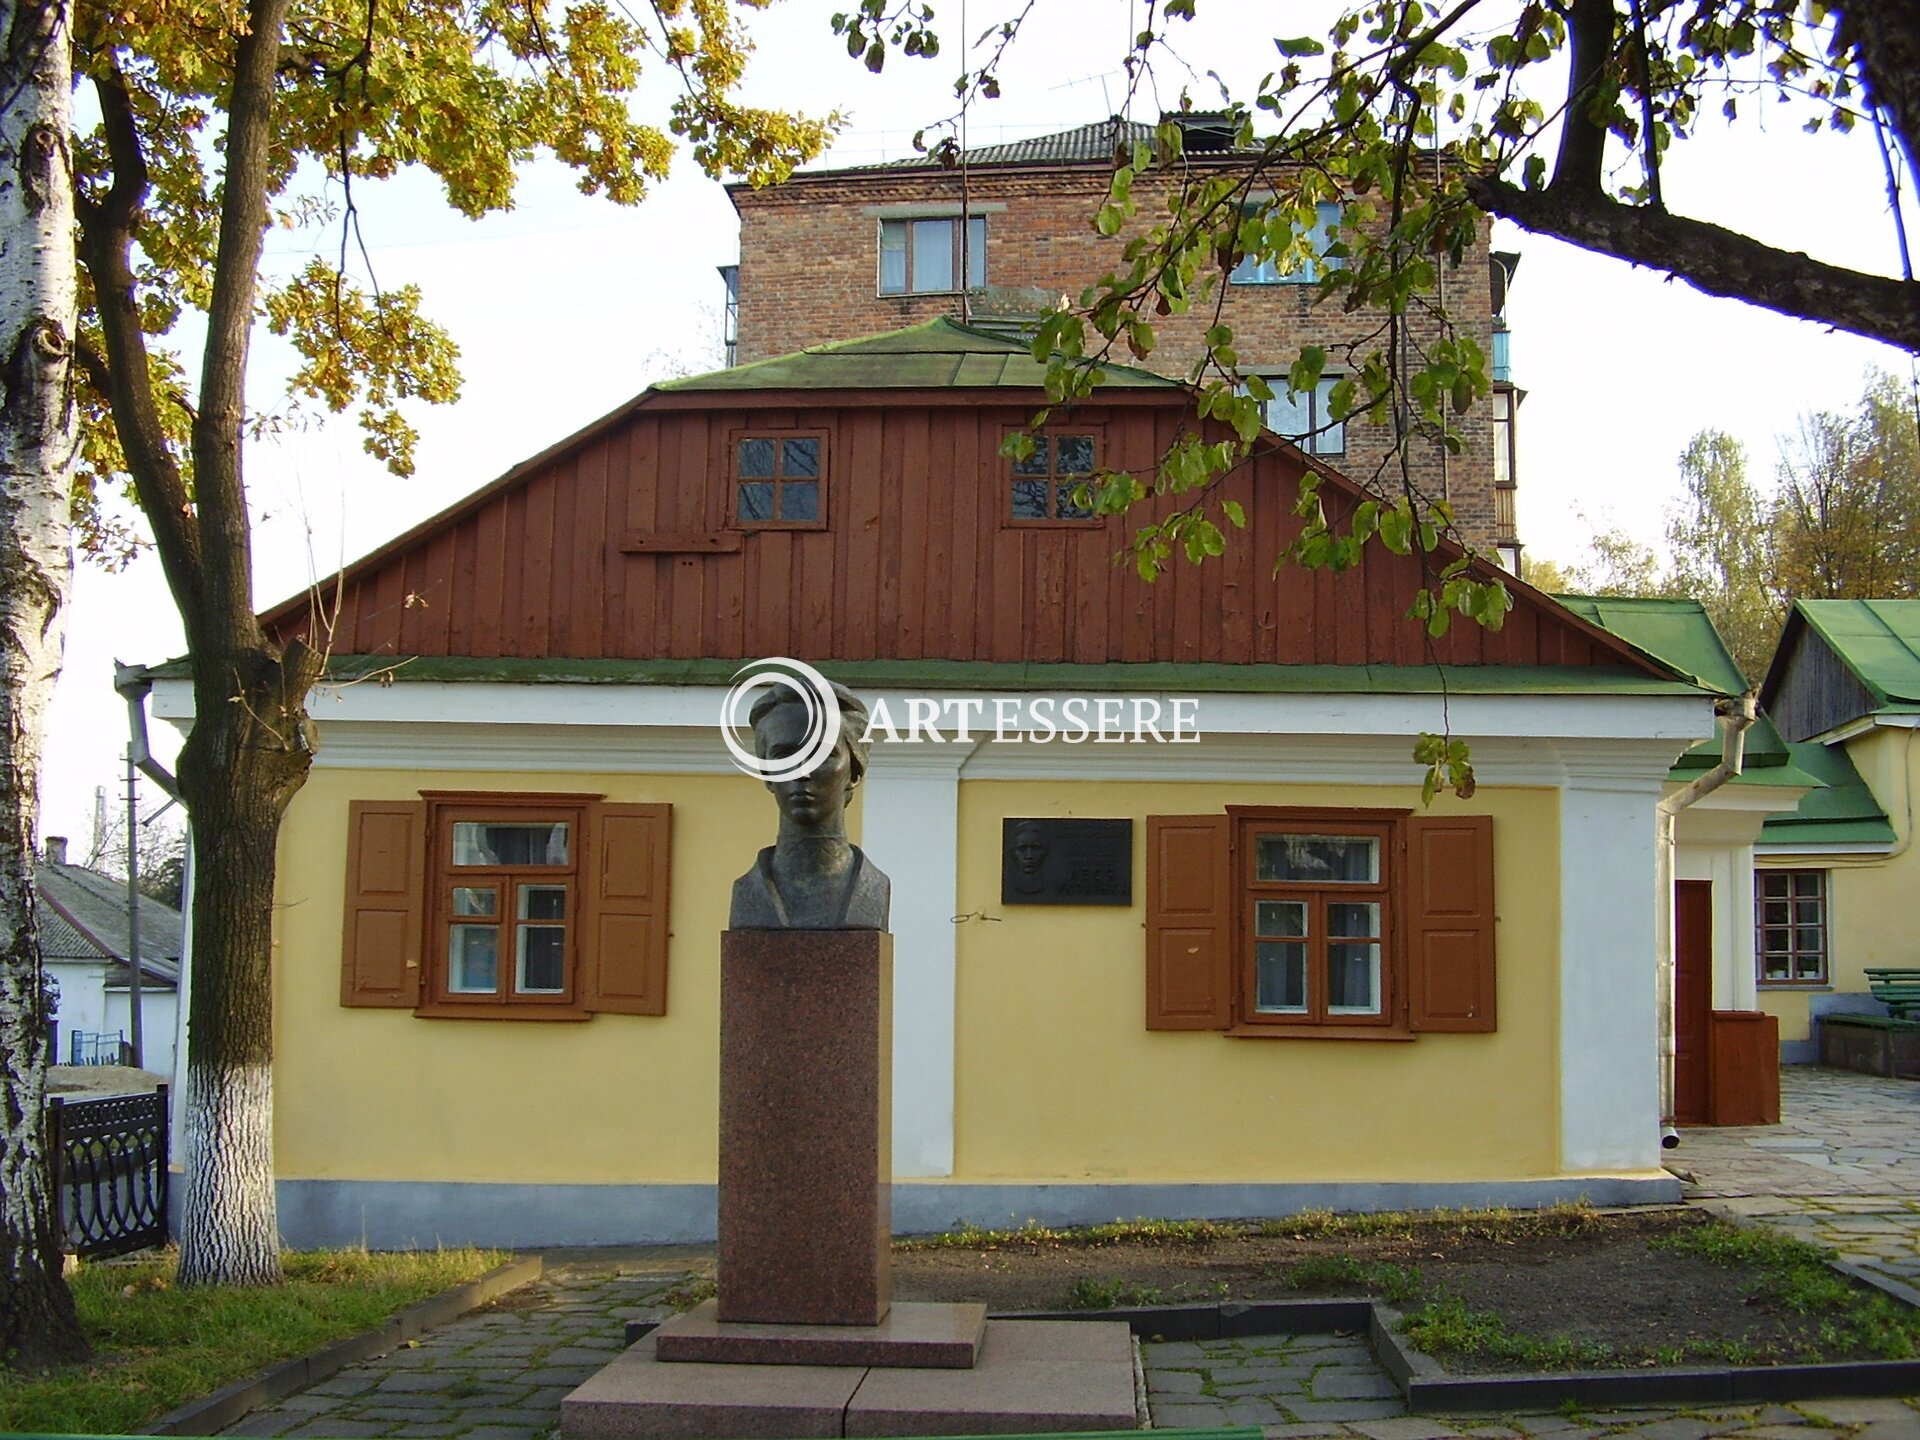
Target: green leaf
[(1300, 45), (1237, 516)]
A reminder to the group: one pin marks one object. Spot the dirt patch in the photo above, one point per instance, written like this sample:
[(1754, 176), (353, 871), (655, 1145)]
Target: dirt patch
[(1570, 1288), (93, 1081)]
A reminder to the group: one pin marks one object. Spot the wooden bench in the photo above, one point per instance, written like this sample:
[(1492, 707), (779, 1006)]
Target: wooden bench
[(1896, 986)]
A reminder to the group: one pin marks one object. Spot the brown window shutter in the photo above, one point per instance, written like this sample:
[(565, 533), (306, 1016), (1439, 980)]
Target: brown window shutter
[(386, 903), (1450, 923), (1189, 929), (624, 919)]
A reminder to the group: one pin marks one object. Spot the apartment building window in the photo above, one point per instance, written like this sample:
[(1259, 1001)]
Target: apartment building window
[(1790, 926), (1306, 417), (1258, 270), (922, 257)]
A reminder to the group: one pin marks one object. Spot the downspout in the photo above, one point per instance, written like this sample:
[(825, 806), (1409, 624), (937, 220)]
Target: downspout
[(1736, 717), (133, 684)]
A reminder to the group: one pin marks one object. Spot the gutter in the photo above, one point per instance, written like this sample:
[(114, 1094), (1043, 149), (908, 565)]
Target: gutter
[(134, 683), (1736, 716)]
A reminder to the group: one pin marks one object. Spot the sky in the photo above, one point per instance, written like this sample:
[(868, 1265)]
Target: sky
[(569, 305)]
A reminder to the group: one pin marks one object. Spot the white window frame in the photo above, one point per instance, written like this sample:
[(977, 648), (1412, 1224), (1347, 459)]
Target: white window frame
[(1793, 954), (914, 283), (1266, 271)]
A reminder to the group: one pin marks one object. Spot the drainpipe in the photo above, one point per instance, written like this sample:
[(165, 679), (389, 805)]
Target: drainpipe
[(132, 683), (1736, 718)]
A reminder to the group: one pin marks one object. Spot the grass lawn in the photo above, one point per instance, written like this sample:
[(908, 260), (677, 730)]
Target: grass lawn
[(157, 1347)]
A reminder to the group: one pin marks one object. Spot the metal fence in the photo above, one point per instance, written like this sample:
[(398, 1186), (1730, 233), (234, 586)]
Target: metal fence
[(98, 1047), (110, 1171)]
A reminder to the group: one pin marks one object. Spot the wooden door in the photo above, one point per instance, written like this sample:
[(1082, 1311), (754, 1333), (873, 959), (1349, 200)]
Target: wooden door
[(1692, 999)]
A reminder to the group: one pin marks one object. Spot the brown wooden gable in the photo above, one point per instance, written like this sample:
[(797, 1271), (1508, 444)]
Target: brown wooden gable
[(616, 544)]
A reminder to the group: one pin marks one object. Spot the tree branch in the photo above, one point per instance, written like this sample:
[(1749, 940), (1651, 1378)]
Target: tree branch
[(106, 240), (1583, 136), (227, 562), (1888, 45), (1714, 260)]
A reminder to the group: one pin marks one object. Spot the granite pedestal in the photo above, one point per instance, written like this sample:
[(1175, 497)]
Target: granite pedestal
[(1032, 1376), (806, 1065)]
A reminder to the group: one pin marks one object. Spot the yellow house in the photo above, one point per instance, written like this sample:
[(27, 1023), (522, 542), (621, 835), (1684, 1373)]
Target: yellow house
[(1267, 979), (1836, 877)]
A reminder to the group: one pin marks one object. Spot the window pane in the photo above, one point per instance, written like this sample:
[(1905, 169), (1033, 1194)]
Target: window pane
[(479, 842), (1776, 968), (1075, 455), (1348, 919), (1810, 967), (1776, 883), (473, 960), (1286, 413), (756, 459), (1806, 882), (1037, 463), (541, 963), (756, 501), (1030, 499), (1280, 917), (1775, 912), (1280, 978), (933, 255), (1068, 509), (1808, 938), (976, 251), (1345, 859), (1353, 978), (473, 900), (1330, 435), (799, 459), (1805, 912), (800, 500), (543, 902), (893, 257)]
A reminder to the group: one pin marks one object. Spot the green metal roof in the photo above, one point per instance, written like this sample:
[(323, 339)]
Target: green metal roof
[(1677, 632), (936, 355), (1878, 640), (1019, 676), (1841, 811), (1681, 633)]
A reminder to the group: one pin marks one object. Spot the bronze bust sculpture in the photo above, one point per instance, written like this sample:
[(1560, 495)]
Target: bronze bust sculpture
[(812, 877)]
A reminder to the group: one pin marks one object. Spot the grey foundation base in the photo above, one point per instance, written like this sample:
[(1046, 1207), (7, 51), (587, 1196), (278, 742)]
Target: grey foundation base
[(398, 1215)]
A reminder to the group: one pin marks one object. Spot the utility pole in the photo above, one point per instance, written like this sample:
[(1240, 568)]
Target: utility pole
[(133, 911)]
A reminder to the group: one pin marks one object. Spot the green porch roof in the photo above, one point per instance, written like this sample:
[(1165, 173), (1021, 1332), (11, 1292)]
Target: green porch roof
[(1841, 811), (1878, 640), (1020, 676), (1682, 634), (936, 355)]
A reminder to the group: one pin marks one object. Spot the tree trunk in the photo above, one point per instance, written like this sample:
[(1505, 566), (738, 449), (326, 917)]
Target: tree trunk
[(37, 436), (247, 756)]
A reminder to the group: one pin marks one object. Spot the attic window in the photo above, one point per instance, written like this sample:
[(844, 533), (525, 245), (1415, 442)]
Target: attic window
[(1046, 486), (778, 479)]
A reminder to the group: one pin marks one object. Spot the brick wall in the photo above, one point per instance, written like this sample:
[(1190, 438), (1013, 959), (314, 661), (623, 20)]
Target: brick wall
[(809, 267)]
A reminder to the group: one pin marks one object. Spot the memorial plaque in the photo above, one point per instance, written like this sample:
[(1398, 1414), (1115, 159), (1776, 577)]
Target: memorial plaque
[(1066, 862)]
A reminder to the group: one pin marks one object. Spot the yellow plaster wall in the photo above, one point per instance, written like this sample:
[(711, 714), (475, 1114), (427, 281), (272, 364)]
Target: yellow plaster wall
[(1870, 900), (1059, 1080), (1057, 1077), (385, 1095)]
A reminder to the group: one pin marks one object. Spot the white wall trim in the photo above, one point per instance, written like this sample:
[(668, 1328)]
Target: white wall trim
[(910, 824), (1609, 1029)]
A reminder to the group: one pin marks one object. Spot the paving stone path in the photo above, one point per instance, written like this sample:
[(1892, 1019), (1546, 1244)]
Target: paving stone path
[(1296, 1387), (498, 1373), (1842, 1168)]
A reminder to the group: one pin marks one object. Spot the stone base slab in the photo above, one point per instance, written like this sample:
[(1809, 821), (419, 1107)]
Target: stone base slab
[(1031, 1376), (924, 1336)]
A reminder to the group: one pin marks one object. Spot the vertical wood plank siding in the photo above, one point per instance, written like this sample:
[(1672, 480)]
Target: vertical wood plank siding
[(916, 561)]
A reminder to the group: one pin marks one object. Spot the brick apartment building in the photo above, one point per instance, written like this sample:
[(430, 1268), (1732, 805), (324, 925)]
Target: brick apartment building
[(834, 254)]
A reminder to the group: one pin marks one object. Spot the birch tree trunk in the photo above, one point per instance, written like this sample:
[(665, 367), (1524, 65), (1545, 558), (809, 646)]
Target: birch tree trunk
[(37, 437)]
